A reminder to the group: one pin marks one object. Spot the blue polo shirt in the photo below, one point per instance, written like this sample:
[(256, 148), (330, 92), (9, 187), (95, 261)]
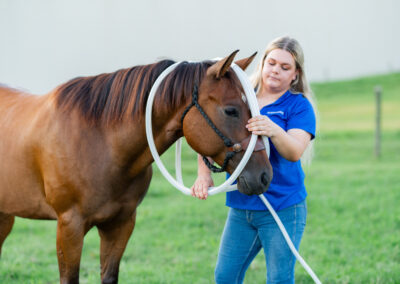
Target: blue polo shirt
[(287, 185)]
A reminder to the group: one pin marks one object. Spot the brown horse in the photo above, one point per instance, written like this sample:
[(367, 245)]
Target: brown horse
[(79, 154)]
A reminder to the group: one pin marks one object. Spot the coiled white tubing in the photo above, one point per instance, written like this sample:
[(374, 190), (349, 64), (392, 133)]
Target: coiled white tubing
[(227, 185)]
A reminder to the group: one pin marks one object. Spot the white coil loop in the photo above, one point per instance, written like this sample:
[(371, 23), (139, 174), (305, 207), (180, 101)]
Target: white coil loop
[(227, 185)]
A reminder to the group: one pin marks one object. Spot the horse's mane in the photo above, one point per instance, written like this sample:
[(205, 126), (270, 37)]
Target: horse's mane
[(107, 98)]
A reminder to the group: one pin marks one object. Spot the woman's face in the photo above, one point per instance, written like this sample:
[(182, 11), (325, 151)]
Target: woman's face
[(279, 71)]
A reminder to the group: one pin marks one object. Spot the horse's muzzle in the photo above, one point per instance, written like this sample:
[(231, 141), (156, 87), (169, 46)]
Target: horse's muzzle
[(257, 174), (253, 187)]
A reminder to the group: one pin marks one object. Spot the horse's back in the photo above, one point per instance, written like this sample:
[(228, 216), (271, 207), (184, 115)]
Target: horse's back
[(21, 184)]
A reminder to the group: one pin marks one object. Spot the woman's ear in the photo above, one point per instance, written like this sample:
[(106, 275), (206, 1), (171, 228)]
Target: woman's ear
[(296, 75)]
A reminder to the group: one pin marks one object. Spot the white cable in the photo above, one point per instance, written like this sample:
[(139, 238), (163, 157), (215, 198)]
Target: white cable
[(289, 241), (178, 168), (226, 186)]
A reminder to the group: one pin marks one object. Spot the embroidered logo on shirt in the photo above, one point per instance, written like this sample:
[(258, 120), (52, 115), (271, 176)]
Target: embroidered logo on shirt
[(276, 112)]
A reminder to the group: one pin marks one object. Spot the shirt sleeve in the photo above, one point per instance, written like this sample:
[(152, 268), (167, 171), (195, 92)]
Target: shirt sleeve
[(302, 116)]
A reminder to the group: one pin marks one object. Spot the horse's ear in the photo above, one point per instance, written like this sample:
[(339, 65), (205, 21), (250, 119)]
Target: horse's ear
[(219, 68), (245, 62)]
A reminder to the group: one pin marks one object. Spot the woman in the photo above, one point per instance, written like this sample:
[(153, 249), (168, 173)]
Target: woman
[(288, 119)]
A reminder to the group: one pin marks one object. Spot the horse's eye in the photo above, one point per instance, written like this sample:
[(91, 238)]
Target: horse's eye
[(232, 111)]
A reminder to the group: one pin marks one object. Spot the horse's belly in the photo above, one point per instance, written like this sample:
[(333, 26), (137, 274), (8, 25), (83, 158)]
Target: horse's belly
[(33, 208), (22, 195), (26, 205)]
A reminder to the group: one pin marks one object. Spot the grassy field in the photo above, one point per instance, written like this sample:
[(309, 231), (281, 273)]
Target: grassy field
[(353, 226)]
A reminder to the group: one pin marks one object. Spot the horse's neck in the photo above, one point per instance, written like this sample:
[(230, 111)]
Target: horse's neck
[(130, 141)]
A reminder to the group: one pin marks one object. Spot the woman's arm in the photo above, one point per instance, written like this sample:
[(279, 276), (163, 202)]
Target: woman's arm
[(290, 144), (204, 179)]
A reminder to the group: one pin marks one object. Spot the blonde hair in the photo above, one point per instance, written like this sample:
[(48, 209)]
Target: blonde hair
[(299, 86)]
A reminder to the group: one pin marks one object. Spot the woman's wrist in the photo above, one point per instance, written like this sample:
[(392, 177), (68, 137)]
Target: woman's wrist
[(204, 175), (277, 132)]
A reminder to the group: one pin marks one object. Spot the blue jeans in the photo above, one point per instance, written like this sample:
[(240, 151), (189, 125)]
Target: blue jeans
[(247, 231)]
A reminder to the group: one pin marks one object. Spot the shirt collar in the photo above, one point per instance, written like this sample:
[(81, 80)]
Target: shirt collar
[(279, 100)]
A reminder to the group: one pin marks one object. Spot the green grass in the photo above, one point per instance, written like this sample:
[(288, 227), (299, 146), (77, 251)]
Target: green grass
[(353, 227)]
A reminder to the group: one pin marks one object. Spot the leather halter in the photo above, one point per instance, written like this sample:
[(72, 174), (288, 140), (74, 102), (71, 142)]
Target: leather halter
[(232, 148), (242, 146)]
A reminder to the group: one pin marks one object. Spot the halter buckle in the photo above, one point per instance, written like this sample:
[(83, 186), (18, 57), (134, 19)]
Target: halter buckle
[(237, 148)]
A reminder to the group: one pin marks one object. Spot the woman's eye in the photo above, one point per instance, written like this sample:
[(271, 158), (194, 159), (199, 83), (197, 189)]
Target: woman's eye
[(231, 111)]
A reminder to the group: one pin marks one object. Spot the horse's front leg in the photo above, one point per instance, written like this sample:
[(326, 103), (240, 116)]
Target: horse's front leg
[(6, 224), (114, 236), (70, 234)]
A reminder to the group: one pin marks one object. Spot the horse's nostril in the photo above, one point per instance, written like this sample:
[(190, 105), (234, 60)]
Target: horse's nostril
[(264, 179)]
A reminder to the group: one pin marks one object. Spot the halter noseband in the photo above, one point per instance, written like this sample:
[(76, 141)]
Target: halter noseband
[(232, 148)]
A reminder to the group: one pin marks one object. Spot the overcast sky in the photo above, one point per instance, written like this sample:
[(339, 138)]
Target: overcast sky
[(47, 42)]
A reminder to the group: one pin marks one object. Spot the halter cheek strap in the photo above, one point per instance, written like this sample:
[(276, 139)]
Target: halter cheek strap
[(195, 102), (232, 148)]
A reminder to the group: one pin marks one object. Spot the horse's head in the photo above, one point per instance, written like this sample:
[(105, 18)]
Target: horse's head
[(221, 96)]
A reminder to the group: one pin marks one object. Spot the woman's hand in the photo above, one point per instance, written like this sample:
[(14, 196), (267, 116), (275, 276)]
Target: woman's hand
[(201, 185), (290, 144), (262, 125)]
